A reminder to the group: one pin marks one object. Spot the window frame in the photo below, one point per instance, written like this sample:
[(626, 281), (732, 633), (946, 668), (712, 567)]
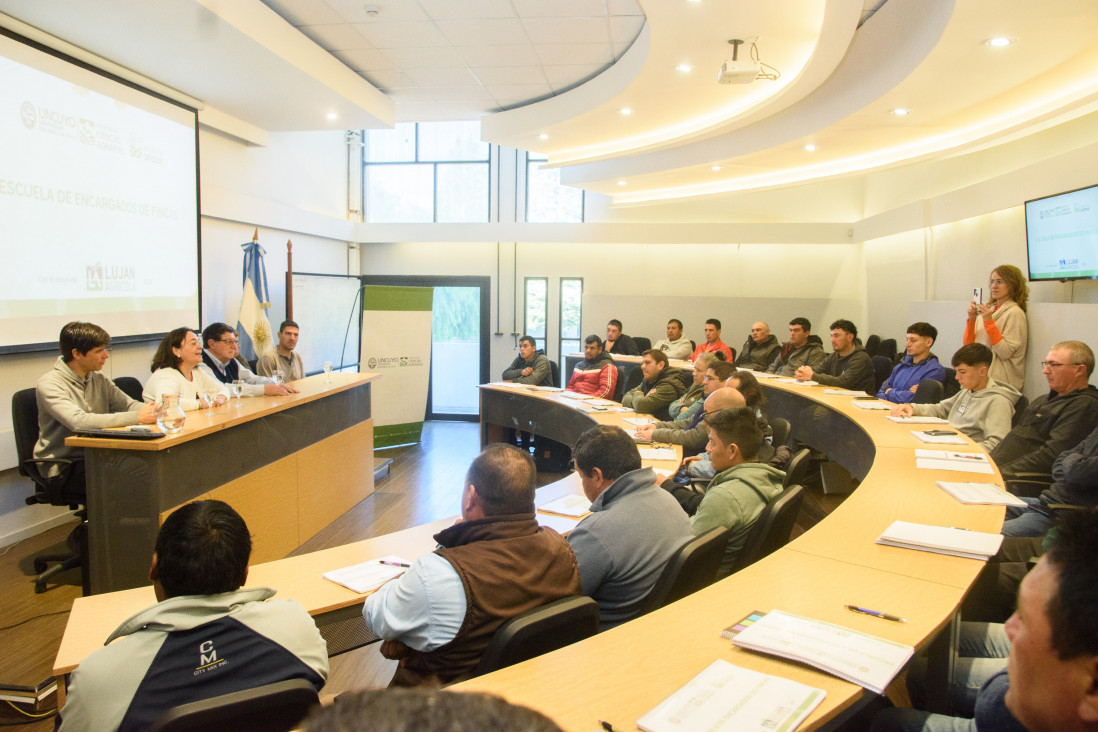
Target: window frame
[(526, 309), (560, 315)]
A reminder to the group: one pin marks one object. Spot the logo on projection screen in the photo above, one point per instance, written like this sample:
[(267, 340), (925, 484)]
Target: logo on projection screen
[(111, 278), (26, 111)]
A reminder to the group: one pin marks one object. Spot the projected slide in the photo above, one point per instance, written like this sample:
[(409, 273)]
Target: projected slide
[(98, 203), (1062, 232)]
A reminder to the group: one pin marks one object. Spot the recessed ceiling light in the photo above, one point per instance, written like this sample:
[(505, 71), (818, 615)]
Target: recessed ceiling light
[(543, 136), (332, 115), (621, 182), (1000, 41), (693, 1), (714, 168), (900, 111), (626, 111), (810, 147), (684, 68)]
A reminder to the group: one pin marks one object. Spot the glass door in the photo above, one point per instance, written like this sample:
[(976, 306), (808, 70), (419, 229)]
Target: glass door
[(459, 342)]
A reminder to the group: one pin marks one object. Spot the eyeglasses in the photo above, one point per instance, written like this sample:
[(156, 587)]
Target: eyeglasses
[(234, 341), (996, 282), (1054, 365)]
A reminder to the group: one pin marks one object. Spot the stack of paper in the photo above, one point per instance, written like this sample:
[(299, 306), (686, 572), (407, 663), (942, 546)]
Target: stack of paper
[(859, 658), (968, 462), (787, 380), (765, 375), (575, 395), (980, 494), (727, 697), (657, 453), (871, 404), (941, 540), (572, 505), (844, 392), (940, 439), (918, 420), (546, 388), (638, 421), (368, 576)]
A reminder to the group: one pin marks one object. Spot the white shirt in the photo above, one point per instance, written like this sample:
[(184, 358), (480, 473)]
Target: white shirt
[(253, 384), (172, 381), (423, 609)]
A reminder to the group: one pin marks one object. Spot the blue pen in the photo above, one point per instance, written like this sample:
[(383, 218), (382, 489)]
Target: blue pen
[(876, 614)]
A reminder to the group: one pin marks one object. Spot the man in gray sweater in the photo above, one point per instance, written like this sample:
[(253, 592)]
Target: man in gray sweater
[(633, 529), (530, 366), (73, 396)]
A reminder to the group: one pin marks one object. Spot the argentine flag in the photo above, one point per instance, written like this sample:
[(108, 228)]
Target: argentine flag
[(252, 326)]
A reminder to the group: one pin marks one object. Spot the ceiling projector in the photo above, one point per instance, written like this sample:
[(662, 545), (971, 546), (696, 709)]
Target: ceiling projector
[(738, 72)]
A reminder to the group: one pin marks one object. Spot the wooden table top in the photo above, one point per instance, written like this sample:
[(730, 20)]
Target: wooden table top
[(202, 422)]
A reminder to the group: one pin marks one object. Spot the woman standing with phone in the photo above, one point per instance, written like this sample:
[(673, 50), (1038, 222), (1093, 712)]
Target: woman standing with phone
[(1003, 328)]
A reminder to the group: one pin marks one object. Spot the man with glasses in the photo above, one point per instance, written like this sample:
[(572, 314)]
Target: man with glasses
[(1056, 421), (73, 396), (219, 361)]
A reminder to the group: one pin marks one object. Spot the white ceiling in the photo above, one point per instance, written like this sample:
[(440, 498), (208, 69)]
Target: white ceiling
[(562, 70)]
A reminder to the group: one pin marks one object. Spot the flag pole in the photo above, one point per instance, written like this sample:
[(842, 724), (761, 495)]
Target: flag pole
[(289, 280)]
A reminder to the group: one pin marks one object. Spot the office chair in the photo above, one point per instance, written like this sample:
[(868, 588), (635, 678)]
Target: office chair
[(643, 344), (780, 429), (796, 470), (554, 371), (633, 380), (1019, 410), (950, 386), (130, 386), (692, 567), (66, 489), (888, 349), (882, 369), (929, 391), (772, 529), (277, 707), (619, 385), (543, 629), (873, 345), (733, 350)]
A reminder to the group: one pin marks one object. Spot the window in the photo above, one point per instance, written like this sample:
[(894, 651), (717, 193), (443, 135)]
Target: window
[(426, 172), (571, 315), (535, 308), (547, 201)]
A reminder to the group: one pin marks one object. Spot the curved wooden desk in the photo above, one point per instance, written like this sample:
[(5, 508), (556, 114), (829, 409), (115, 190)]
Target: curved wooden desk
[(290, 465), (619, 675)]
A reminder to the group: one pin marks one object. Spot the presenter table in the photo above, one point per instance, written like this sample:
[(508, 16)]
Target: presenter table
[(290, 465)]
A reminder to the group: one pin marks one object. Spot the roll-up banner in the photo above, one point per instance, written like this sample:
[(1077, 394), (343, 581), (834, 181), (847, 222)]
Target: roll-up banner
[(396, 343)]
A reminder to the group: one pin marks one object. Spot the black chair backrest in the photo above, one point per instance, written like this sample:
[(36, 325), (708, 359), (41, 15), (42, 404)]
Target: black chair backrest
[(796, 470), (692, 567), (771, 530), (635, 377), (130, 386), (888, 348), (277, 707), (781, 429), (929, 391), (643, 344), (950, 386), (554, 373), (24, 422), (1019, 409), (693, 346), (882, 369), (873, 344), (252, 363), (539, 631), (619, 386)]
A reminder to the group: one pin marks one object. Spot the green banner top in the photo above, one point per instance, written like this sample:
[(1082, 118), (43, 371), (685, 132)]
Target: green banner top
[(384, 297)]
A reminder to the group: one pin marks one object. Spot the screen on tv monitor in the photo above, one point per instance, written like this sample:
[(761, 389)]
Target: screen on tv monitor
[(1062, 236)]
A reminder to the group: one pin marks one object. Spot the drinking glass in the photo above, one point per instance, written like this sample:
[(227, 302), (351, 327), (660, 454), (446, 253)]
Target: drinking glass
[(237, 388), (327, 372), (209, 397)]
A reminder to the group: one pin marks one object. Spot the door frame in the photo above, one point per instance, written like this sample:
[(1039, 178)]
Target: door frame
[(485, 285)]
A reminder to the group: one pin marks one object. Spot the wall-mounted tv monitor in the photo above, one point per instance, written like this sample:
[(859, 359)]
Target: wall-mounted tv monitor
[(98, 202), (1062, 236)]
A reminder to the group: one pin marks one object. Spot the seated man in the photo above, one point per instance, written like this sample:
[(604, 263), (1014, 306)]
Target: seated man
[(675, 345), (494, 564), (982, 409), (1056, 421), (690, 402), (661, 386), (848, 367), (691, 432), (73, 395), (205, 636), (596, 374), (633, 529), (759, 349), (219, 361), (283, 358), (530, 366), (798, 351), (742, 486), (713, 342), (1074, 483), (1050, 683), (918, 364), (618, 343)]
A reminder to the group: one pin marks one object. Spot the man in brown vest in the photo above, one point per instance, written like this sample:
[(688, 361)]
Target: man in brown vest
[(493, 564)]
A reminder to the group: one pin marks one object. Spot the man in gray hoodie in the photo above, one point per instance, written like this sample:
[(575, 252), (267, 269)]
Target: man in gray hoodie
[(530, 366), (982, 409)]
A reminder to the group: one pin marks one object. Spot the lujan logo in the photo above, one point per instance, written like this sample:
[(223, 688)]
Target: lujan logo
[(26, 111)]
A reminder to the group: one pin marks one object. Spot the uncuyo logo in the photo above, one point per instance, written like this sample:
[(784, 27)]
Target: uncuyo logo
[(26, 111)]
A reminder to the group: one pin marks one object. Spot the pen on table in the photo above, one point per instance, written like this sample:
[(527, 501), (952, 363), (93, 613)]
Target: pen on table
[(394, 564), (606, 726), (876, 614)]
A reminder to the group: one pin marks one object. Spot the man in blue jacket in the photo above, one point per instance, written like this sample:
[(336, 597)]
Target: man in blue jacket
[(918, 364)]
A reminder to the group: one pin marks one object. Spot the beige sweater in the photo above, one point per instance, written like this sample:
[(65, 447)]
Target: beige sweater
[(1009, 364)]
